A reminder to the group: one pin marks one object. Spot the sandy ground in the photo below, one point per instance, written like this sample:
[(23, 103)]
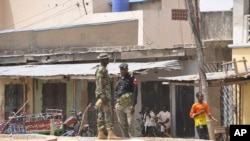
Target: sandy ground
[(32, 137), (26, 137), (131, 139)]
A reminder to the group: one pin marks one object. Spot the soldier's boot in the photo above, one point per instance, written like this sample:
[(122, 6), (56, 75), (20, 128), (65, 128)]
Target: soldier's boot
[(112, 136), (101, 134)]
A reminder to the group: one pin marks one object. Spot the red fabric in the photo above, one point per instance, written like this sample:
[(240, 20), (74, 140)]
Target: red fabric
[(135, 82)]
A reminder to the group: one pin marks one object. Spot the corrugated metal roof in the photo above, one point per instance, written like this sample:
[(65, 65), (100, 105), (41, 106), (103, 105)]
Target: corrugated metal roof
[(87, 69), (209, 76)]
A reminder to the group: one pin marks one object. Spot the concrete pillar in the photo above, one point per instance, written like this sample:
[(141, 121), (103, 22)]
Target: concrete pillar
[(240, 9)]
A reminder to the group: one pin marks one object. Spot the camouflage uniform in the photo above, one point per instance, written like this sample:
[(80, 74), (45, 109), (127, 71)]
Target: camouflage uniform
[(103, 90)]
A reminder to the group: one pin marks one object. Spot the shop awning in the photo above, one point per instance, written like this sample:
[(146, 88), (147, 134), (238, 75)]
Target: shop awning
[(81, 71)]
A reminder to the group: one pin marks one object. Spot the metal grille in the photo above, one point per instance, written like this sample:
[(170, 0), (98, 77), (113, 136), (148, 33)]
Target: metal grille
[(213, 67), (227, 106), (230, 104)]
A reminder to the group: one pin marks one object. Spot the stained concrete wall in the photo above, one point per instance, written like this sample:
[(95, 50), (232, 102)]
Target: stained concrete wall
[(84, 36), (213, 101), (161, 31), (217, 51), (155, 28), (217, 25)]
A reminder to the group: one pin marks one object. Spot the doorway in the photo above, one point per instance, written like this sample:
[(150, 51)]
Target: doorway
[(155, 95), (54, 96), (13, 98), (184, 101)]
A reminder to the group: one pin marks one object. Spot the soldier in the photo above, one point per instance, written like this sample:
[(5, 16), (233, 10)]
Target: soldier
[(126, 99), (103, 96)]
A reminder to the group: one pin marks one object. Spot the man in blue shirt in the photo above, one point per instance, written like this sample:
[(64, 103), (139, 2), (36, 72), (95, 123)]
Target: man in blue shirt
[(126, 99)]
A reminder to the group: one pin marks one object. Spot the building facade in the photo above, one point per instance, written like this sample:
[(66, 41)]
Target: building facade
[(74, 32)]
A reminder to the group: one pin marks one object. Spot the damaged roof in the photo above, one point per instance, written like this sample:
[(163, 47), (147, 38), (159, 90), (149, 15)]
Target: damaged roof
[(80, 71)]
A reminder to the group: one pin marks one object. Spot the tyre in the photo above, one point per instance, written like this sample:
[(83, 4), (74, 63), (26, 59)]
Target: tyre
[(76, 127), (88, 133)]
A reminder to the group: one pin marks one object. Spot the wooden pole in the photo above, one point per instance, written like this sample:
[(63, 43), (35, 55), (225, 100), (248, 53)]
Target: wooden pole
[(74, 102), (194, 20), (52, 126), (14, 116)]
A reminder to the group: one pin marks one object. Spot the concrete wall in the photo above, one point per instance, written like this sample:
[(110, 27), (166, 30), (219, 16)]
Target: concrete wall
[(245, 103), (19, 14), (240, 8), (217, 51), (217, 25), (214, 104), (240, 29), (160, 31), (238, 53), (155, 28), (84, 36), (101, 6)]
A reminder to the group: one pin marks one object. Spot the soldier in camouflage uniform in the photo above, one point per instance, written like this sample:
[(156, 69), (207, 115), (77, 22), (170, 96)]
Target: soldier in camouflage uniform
[(126, 99), (103, 96)]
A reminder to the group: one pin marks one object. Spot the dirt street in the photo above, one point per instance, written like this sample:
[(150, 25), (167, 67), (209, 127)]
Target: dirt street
[(131, 139), (34, 137)]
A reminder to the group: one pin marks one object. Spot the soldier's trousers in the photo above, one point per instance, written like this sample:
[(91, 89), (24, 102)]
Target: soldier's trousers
[(104, 116)]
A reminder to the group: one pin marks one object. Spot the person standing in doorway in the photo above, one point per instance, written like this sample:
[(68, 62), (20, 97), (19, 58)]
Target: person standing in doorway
[(126, 99), (164, 120), (149, 121), (199, 112), (103, 97)]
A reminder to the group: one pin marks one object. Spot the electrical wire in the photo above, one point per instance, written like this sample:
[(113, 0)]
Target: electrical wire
[(36, 15), (51, 16), (150, 43)]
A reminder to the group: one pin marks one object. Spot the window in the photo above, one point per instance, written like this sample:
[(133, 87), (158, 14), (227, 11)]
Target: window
[(179, 14)]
